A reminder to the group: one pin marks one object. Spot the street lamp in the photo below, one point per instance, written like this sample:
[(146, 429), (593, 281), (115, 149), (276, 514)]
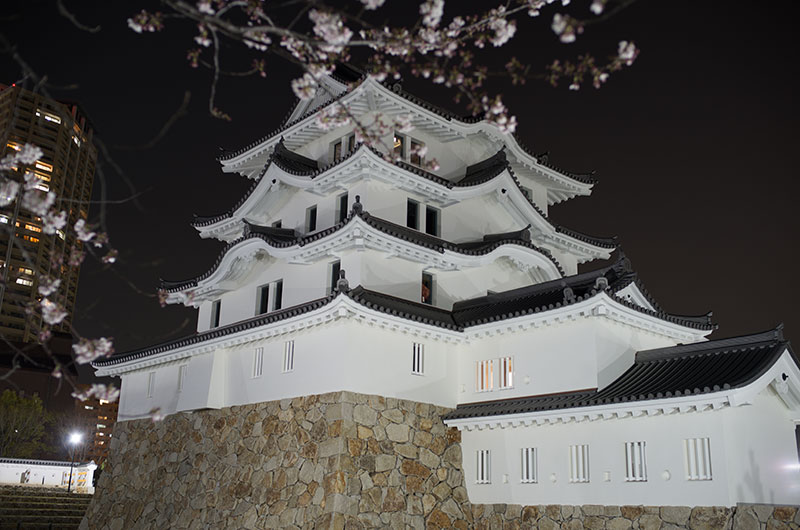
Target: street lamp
[(74, 440)]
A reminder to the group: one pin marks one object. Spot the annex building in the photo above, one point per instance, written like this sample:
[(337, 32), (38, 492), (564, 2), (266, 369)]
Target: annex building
[(354, 268)]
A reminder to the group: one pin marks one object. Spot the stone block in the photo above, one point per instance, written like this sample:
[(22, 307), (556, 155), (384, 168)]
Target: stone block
[(385, 462), (710, 518), (393, 415), (678, 515), (594, 522), (746, 519), (784, 513), (618, 523), (397, 432), (365, 415)]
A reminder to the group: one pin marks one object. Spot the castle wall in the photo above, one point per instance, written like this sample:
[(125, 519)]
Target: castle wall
[(333, 461)]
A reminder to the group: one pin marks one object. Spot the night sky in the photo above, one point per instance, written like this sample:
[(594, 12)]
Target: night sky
[(693, 148)]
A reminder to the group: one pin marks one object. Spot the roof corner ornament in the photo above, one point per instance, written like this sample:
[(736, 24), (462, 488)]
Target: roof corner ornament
[(779, 331), (601, 283), (342, 285), (569, 294), (357, 206)]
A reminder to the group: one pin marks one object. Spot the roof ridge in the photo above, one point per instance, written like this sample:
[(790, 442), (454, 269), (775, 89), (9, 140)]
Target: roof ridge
[(711, 346)]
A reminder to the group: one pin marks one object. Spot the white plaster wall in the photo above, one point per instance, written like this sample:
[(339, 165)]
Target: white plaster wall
[(44, 474), (663, 435), (762, 452)]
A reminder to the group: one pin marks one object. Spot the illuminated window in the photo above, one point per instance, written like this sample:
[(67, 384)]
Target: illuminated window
[(484, 375), (88, 407), (77, 142), (43, 166), (14, 145), (3, 219), (23, 281), (426, 296), (506, 373), (30, 238), (25, 270), (60, 234), (32, 228), (48, 116), (398, 145)]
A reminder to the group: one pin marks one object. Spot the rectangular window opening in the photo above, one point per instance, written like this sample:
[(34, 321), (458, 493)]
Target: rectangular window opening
[(418, 359), (426, 295), (263, 300), (635, 462), (333, 275), (277, 224), (415, 153), (258, 362), (277, 295), (484, 375), (351, 142), (288, 356), (398, 146), (506, 373), (579, 463), (432, 221), (215, 311), (337, 151), (341, 208), (483, 470), (412, 214), (529, 473), (698, 458), (311, 218)]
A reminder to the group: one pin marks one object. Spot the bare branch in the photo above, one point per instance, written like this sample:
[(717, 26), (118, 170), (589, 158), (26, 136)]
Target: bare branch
[(178, 114), (62, 9)]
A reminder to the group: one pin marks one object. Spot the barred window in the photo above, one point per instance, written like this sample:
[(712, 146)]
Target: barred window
[(698, 458), (288, 356), (418, 359), (529, 474), (258, 362), (484, 375), (579, 463), (635, 462), (483, 474)]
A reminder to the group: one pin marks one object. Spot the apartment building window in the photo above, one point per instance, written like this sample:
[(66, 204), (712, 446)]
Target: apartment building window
[(333, 275), (151, 384), (311, 218), (181, 376), (697, 452), (426, 295), (288, 356), (262, 300), (528, 471), (483, 469), (416, 153), (418, 359), (432, 221), (398, 147), (258, 362), (341, 208), (216, 307), (635, 462), (484, 375), (412, 214), (506, 373), (579, 463)]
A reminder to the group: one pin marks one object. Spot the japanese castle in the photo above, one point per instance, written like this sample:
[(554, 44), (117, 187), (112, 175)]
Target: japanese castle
[(355, 267)]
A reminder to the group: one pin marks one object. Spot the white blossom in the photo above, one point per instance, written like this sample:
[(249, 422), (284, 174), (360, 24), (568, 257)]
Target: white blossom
[(48, 285), (258, 40), (574, 86), (372, 4), (332, 117), (503, 31), (156, 414), (534, 7), (8, 191), (38, 202), (204, 6), (403, 123), (26, 155), (431, 11), (52, 313), (83, 232), (54, 220), (627, 52), (329, 28), (135, 26), (105, 392), (87, 350), (598, 6), (304, 87), (454, 29)]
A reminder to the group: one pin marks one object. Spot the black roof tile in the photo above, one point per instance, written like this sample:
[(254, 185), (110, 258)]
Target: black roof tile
[(683, 370)]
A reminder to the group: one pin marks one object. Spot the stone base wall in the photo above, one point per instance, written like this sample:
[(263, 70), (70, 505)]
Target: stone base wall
[(338, 460)]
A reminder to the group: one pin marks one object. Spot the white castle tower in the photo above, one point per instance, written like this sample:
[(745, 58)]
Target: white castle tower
[(345, 271)]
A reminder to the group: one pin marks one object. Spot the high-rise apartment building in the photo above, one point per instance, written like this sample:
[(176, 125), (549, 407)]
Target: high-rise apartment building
[(67, 168), (98, 418)]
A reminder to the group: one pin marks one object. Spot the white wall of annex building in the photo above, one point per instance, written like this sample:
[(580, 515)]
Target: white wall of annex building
[(762, 432)]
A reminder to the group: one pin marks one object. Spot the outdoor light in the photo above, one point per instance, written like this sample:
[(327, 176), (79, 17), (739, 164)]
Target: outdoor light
[(74, 440)]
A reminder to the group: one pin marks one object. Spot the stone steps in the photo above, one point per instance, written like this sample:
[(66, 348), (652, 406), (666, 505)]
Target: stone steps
[(34, 508)]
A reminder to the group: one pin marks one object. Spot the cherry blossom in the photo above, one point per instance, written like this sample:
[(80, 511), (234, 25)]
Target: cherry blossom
[(598, 6), (627, 52), (431, 11), (204, 6), (52, 312), (38, 202), (403, 123), (304, 87), (54, 220), (329, 28), (87, 350), (8, 191), (372, 4), (97, 391), (83, 232), (48, 285)]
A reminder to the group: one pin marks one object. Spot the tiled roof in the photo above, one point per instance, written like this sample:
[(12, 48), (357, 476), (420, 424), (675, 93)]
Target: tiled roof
[(684, 370), (543, 159), (282, 238)]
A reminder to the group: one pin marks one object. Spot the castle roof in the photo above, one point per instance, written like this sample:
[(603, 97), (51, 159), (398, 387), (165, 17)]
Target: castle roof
[(683, 370)]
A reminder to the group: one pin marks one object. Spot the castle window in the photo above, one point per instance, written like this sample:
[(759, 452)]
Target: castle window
[(418, 359), (337, 150), (528, 193), (426, 296), (311, 218), (635, 462), (181, 376), (529, 473), (351, 142), (215, 310), (277, 294), (506, 373), (258, 362), (412, 214), (262, 298), (484, 375), (579, 463), (288, 356), (341, 208), (277, 224), (415, 155), (333, 275), (432, 221), (151, 384), (483, 469), (398, 146), (698, 458)]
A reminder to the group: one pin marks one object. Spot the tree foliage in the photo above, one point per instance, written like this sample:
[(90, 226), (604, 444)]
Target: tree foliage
[(22, 425)]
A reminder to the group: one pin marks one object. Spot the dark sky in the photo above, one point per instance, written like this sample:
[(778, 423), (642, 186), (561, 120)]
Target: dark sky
[(693, 147)]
